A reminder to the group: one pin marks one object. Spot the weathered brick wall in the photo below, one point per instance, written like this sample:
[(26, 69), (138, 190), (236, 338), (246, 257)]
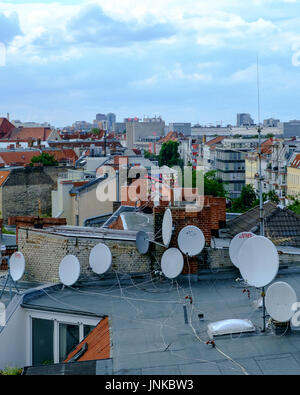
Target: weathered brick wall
[(43, 253), (181, 219), (23, 189)]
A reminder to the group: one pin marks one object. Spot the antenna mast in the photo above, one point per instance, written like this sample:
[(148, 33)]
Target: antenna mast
[(261, 203)]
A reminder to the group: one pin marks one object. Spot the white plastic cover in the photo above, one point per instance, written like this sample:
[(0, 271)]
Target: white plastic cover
[(229, 327)]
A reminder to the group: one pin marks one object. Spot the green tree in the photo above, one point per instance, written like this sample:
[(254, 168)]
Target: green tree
[(95, 131), (246, 201), (169, 155), (45, 159), (150, 156), (213, 186)]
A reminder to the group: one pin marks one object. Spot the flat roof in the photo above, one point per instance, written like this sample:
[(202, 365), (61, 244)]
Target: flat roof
[(149, 333)]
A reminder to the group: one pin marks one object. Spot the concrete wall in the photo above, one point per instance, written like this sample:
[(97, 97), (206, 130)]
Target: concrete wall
[(43, 253), (23, 189), (13, 341), (86, 204)]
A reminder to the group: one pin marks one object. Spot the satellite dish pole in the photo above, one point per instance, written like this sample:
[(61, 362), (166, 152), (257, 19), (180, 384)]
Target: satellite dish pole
[(261, 203)]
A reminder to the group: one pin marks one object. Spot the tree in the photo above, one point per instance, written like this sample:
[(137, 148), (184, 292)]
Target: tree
[(212, 185), (45, 159), (169, 155), (150, 156), (246, 201), (95, 131)]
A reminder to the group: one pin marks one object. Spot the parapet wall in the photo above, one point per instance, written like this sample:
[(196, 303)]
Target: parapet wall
[(44, 251)]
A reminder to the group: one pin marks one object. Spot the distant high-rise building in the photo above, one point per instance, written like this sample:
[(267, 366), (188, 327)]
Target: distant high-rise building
[(111, 119), (101, 117), (244, 119)]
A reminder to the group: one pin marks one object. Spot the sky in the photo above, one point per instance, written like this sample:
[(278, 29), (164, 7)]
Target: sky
[(186, 60)]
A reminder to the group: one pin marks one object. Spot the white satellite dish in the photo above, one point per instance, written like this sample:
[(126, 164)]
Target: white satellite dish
[(191, 240), (172, 263), (236, 244), (17, 266), (167, 227), (258, 261), (100, 259), (280, 298), (69, 270)]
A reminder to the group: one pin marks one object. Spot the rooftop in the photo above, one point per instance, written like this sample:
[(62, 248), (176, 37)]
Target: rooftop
[(150, 336)]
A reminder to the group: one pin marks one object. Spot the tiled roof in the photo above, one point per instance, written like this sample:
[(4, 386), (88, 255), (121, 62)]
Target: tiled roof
[(3, 176), (63, 155), (98, 344), (20, 158), (171, 136), (215, 141), (30, 133), (296, 162), (282, 226), (5, 126)]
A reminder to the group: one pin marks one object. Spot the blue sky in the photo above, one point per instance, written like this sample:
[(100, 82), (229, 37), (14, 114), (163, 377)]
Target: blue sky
[(189, 60)]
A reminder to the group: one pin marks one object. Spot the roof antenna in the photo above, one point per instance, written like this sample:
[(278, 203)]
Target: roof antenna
[(261, 203)]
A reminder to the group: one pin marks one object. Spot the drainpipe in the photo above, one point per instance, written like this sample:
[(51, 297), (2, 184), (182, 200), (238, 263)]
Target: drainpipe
[(118, 185)]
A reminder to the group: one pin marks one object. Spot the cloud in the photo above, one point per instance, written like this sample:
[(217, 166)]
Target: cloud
[(9, 27)]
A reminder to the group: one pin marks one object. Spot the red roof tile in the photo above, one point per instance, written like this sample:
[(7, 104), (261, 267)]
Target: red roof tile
[(296, 162), (3, 176), (98, 342), (215, 141), (63, 155), (30, 133), (19, 158), (5, 127)]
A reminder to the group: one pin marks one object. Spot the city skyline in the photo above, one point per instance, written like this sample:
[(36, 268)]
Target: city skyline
[(193, 63)]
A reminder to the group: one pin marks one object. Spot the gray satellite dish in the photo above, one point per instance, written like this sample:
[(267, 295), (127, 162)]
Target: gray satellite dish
[(142, 242)]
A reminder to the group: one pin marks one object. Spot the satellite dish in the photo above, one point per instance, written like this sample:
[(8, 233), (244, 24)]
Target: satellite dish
[(17, 266), (236, 244), (172, 263), (258, 261), (69, 270), (100, 259), (167, 227), (142, 242), (280, 298), (191, 240)]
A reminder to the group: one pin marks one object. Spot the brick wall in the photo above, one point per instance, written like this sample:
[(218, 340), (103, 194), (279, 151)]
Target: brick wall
[(44, 251), (31, 222), (181, 219)]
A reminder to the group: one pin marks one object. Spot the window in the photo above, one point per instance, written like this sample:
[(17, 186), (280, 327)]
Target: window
[(53, 338), (68, 339), (42, 341), (87, 329)]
